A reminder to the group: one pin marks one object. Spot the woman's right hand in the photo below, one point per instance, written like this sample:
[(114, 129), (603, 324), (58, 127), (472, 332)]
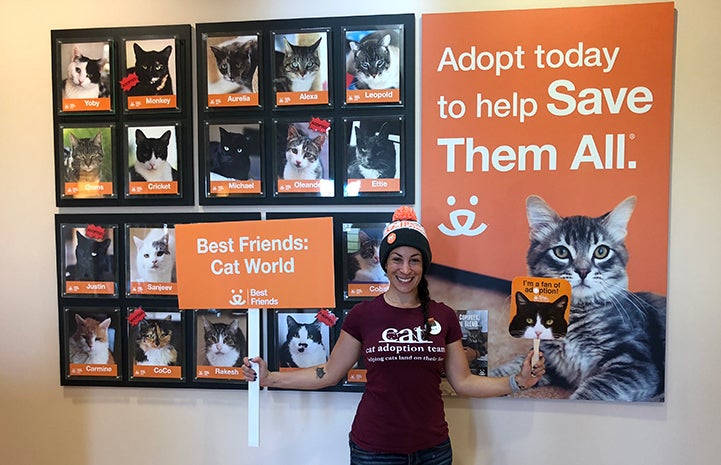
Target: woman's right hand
[(250, 374)]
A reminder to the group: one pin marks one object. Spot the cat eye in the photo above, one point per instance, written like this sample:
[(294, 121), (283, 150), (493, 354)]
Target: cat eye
[(601, 252), (529, 321), (561, 252), (549, 322)]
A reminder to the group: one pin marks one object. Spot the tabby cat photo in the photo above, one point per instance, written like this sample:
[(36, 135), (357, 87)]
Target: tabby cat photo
[(373, 59), (301, 63)]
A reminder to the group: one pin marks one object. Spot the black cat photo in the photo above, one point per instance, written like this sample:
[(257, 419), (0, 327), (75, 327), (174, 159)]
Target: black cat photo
[(373, 148), (234, 152), (153, 64), (89, 253)]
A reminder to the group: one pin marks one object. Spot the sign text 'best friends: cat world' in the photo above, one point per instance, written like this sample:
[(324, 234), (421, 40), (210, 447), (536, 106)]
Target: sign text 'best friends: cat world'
[(246, 245)]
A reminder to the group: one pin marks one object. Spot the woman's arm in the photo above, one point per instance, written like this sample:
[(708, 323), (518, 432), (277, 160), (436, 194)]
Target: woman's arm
[(344, 355), (469, 385)]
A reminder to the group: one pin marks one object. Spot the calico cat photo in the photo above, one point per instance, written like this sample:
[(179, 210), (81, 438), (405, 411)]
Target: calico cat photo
[(302, 155), (373, 154), (615, 344), (83, 160), (374, 61), (90, 343), (230, 157), (155, 257), (364, 265), (303, 346), (152, 160), (153, 70), (236, 62), (539, 320), (83, 78), (224, 343), (157, 341), (300, 68)]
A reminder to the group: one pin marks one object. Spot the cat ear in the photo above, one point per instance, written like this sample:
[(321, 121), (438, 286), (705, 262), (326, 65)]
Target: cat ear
[(561, 302), (386, 40), (292, 131), (291, 321), (138, 242), (320, 140), (137, 49), (353, 46), (98, 139), (76, 52), (79, 319), (73, 140), (316, 44), (521, 299), (167, 51), (287, 46), (541, 218), (218, 52), (616, 221), (234, 325), (166, 136), (139, 136), (106, 323)]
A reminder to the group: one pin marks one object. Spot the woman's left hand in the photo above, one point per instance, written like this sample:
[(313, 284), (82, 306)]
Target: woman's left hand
[(530, 375)]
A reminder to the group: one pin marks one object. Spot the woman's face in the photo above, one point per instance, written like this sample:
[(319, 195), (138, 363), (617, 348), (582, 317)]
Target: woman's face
[(404, 268)]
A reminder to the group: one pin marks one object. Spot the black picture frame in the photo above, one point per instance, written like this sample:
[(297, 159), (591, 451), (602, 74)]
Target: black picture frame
[(88, 260), (117, 116), (153, 175), (85, 161), (219, 333), (83, 75), (91, 343), (270, 113), (298, 338), (157, 349)]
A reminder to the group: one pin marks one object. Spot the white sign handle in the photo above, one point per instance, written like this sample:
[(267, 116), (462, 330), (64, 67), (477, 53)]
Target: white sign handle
[(254, 386)]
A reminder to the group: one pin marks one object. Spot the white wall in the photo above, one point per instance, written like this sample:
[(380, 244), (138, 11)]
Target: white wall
[(42, 422)]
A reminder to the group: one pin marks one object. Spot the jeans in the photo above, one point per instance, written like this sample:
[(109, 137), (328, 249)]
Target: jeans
[(438, 455)]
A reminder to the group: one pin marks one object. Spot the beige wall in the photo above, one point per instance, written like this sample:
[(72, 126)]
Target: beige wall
[(43, 423)]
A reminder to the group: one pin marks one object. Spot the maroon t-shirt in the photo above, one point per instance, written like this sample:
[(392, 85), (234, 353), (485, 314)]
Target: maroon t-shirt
[(401, 410)]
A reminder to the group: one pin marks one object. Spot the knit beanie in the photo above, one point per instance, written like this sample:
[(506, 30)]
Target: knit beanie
[(405, 230)]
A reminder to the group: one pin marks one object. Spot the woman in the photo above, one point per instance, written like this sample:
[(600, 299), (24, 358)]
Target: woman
[(408, 342)]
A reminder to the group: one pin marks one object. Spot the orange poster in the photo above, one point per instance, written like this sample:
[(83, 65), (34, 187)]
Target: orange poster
[(530, 112), (256, 264)]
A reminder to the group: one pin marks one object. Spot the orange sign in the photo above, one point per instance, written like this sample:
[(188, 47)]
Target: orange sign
[(544, 301), (256, 264), (569, 104)]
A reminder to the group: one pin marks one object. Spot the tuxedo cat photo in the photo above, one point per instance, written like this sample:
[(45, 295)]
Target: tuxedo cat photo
[(87, 71), (373, 148), (153, 62), (152, 154), (303, 340)]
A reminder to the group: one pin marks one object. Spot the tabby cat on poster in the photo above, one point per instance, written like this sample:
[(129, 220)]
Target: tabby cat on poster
[(153, 72), (89, 343), (92, 262), (539, 320), (230, 157), (237, 62), (84, 159), (374, 155), (375, 61), (224, 343), (155, 344), (155, 257), (151, 159), (365, 265), (302, 155), (83, 78), (298, 68), (614, 348)]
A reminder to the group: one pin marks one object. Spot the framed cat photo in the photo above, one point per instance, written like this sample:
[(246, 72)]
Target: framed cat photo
[(299, 338), (153, 167), (150, 260), (301, 72), (150, 78), (302, 158), (221, 342), (88, 259), (233, 161), (355, 379), (91, 343), (373, 155), (232, 69), (156, 344), (85, 162), (84, 76), (374, 64), (363, 275)]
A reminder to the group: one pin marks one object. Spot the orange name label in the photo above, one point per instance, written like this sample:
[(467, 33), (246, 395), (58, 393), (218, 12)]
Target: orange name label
[(153, 188), (157, 371), (233, 100), (224, 188), (88, 189), (153, 288), (99, 370), (302, 186), (302, 98), (149, 102), (375, 185), (86, 104), (90, 287), (366, 289), (373, 96), (213, 372), (357, 375)]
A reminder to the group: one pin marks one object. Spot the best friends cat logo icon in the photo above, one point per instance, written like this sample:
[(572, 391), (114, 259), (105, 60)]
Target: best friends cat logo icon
[(539, 309)]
